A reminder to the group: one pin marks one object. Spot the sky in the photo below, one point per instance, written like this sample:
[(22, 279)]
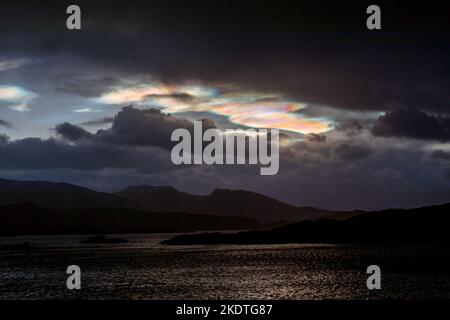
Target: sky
[(365, 115)]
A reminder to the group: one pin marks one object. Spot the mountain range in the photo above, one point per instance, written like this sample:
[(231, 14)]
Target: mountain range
[(221, 202), (36, 207)]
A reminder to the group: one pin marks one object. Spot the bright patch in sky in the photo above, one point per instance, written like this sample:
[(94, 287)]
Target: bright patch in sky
[(86, 110), (131, 95), (15, 98), (12, 64), (251, 109)]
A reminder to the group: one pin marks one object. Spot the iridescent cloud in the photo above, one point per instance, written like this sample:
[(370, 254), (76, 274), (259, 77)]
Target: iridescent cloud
[(86, 110), (251, 109), (12, 64), (15, 98)]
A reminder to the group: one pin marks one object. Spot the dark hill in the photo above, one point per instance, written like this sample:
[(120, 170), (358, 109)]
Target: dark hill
[(57, 195), (427, 224), (28, 218)]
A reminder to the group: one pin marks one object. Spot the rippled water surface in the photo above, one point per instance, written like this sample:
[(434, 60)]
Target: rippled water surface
[(143, 269)]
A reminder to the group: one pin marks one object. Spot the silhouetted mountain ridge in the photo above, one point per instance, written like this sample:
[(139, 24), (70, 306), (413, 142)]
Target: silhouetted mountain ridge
[(57, 195), (423, 225), (220, 201)]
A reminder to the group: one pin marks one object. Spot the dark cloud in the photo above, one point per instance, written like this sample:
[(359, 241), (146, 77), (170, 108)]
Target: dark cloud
[(148, 129), (131, 128), (351, 128), (145, 127), (441, 155), (182, 96), (37, 154), (6, 124), (135, 127), (446, 173), (316, 137), (350, 152), (72, 132), (413, 123), (326, 152), (98, 122), (4, 139), (84, 87)]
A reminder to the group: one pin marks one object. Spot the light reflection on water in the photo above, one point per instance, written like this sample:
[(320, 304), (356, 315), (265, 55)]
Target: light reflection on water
[(143, 269)]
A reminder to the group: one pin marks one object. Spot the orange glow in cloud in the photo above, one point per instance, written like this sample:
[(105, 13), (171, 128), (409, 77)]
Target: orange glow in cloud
[(130, 95), (273, 115), (248, 109)]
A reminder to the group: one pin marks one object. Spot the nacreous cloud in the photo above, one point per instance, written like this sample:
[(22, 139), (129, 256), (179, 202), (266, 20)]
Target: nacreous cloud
[(15, 98), (251, 109), (12, 64)]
